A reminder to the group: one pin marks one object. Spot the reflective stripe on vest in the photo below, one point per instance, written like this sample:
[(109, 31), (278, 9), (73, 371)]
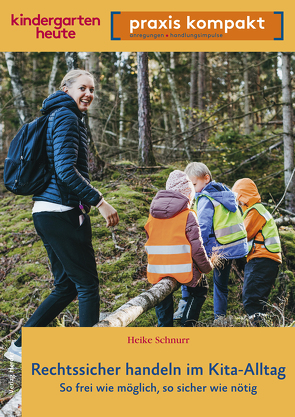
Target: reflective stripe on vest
[(228, 226), (269, 231), (230, 230), (237, 242), (250, 244), (169, 269), (168, 249), (269, 241), (272, 241)]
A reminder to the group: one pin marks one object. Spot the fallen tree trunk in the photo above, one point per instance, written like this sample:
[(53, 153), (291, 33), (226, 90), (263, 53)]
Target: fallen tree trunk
[(14, 407), (285, 221), (128, 312)]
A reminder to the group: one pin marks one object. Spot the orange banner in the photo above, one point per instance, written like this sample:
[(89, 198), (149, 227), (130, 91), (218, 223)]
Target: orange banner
[(197, 26)]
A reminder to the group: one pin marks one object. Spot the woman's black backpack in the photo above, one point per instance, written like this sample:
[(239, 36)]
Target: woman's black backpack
[(26, 168)]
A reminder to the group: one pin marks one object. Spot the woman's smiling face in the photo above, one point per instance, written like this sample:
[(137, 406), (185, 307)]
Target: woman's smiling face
[(82, 91)]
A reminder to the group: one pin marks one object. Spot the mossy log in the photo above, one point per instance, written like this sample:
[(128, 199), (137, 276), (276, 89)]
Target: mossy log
[(14, 407), (128, 312)]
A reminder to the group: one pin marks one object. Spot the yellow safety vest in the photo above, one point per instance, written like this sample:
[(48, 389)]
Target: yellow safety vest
[(228, 226), (271, 239)]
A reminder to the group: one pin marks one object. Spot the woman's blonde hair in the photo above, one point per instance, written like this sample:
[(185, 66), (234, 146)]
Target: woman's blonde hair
[(71, 77)]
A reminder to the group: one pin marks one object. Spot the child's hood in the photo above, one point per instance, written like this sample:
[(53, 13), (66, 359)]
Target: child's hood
[(246, 191), (222, 194), (167, 204)]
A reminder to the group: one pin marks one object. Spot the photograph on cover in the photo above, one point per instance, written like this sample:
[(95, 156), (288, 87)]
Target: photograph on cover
[(158, 170)]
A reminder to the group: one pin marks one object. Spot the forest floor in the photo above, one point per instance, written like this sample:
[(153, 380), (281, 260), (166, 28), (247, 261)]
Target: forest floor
[(26, 279)]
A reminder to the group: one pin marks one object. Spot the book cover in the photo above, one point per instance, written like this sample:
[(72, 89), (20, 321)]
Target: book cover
[(220, 79)]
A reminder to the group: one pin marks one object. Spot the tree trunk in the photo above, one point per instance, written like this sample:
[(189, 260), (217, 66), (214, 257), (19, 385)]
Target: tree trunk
[(246, 93), (127, 313), (258, 83), (173, 117), (288, 132), (93, 111), (33, 96), (17, 88), (193, 88), (121, 99), (145, 148), (228, 86), (14, 407), (277, 108), (86, 61), (96, 164), (201, 93), (51, 84), (165, 117), (176, 100), (285, 221), (71, 60), (167, 143)]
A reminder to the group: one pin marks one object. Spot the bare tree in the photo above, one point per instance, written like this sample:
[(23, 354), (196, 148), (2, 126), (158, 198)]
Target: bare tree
[(17, 88), (33, 91), (165, 117), (288, 132), (193, 87), (119, 74), (201, 92), (228, 85), (258, 86), (93, 112), (145, 148), (51, 84), (71, 60), (176, 100), (173, 104), (246, 94)]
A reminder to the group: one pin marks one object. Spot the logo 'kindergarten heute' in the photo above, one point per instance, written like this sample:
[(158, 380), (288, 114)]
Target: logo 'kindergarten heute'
[(197, 25)]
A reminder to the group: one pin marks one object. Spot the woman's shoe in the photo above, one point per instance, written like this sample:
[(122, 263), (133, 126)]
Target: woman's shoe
[(14, 353)]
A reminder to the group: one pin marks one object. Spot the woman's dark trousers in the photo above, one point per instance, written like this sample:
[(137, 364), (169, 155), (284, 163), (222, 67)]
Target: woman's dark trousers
[(71, 254)]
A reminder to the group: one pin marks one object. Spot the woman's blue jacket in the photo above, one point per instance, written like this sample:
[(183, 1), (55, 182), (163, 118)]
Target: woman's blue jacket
[(67, 151)]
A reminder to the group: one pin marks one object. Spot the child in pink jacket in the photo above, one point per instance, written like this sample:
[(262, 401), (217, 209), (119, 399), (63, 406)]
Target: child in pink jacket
[(168, 204)]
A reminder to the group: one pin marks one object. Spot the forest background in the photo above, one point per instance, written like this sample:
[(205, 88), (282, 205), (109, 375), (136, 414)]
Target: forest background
[(153, 112)]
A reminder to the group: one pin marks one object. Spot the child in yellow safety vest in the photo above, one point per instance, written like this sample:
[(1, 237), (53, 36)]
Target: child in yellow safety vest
[(264, 250), (175, 248)]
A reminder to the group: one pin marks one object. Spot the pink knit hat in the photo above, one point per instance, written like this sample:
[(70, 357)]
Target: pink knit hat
[(179, 181)]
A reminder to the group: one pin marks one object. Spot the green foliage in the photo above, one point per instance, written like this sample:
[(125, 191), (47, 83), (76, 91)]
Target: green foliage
[(233, 156), (284, 290), (159, 179), (288, 244)]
